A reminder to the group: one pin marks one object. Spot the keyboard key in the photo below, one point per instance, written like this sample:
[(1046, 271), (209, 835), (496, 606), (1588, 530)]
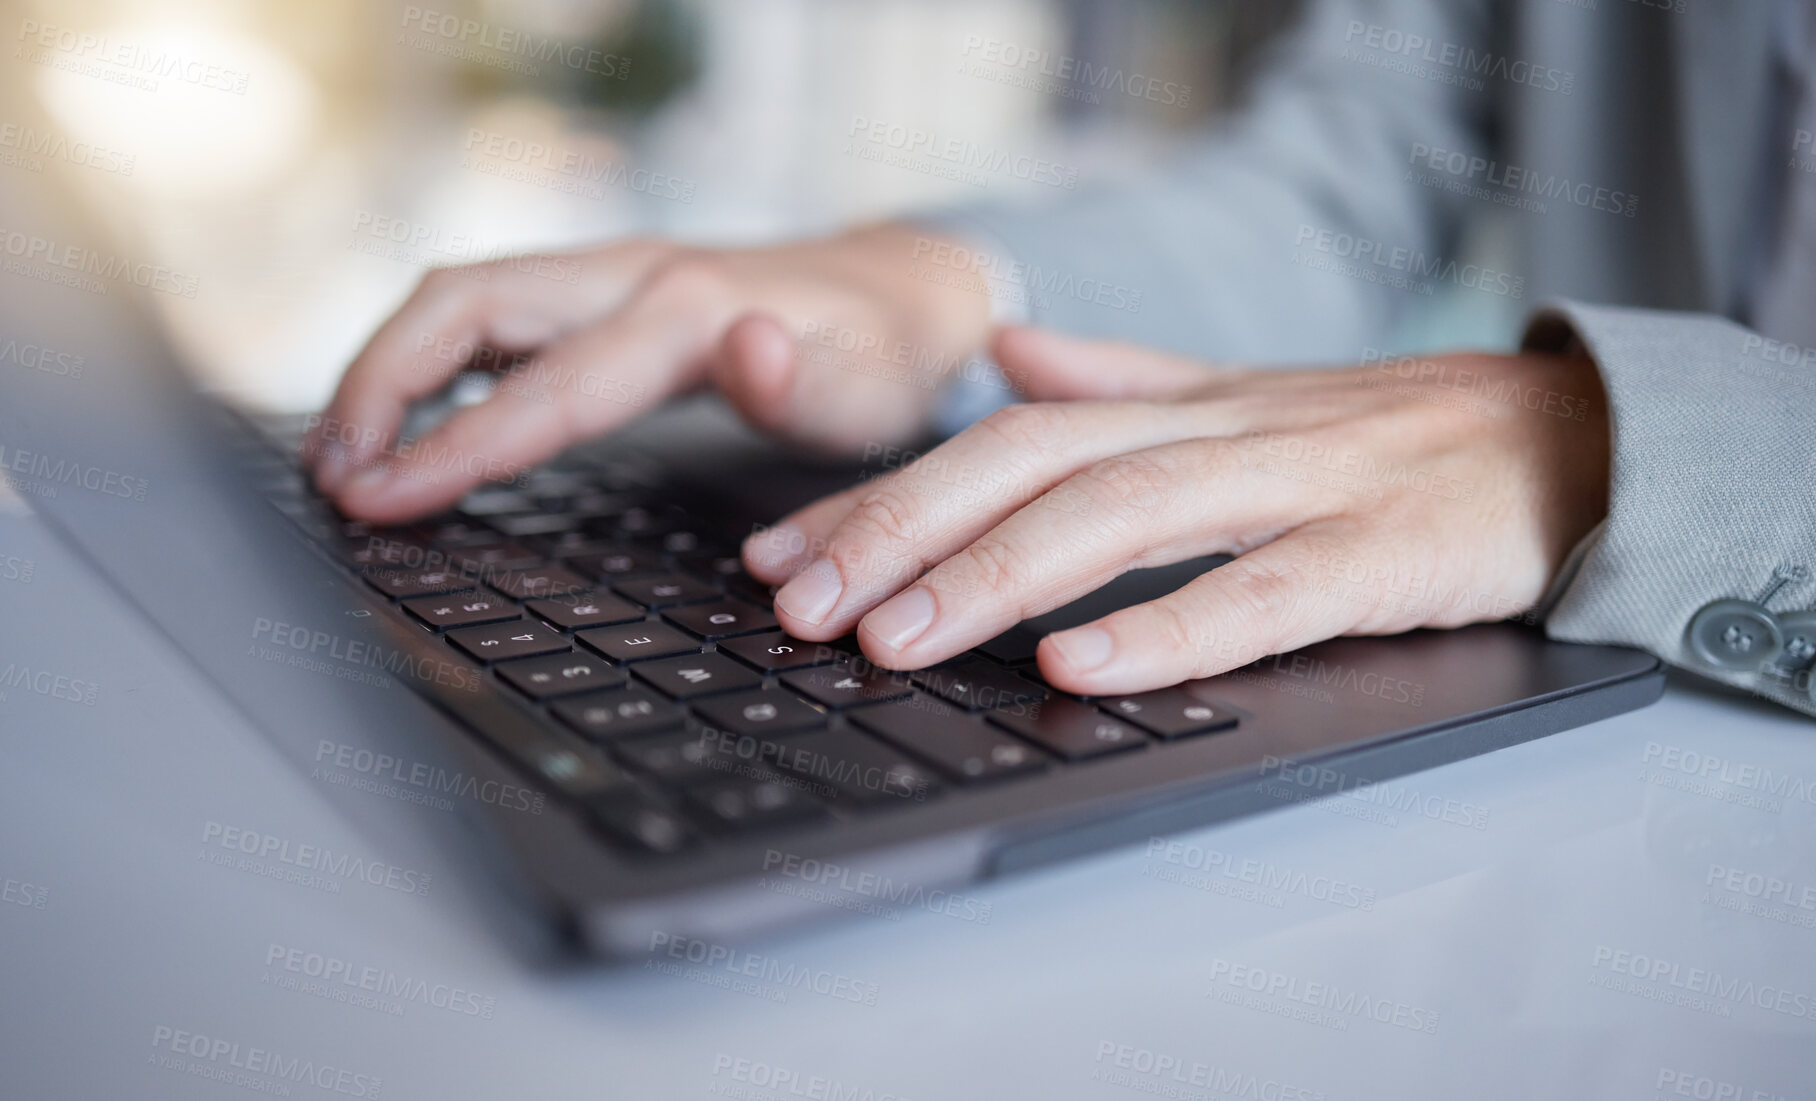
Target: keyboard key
[(1071, 729), (616, 564), (536, 523), (692, 675), (849, 766), (504, 641), (958, 744), (457, 533), (491, 559), (462, 609), (539, 581), (1171, 712), (976, 685), (721, 618), (568, 544), (583, 610), (495, 501), (746, 803), (636, 819), (624, 713), (682, 757), (1015, 646), (665, 590), (399, 584), (776, 652), (848, 685), (560, 675), (639, 641), (759, 713)]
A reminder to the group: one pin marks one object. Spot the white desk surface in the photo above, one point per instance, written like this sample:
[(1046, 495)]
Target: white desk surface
[(1596, 938)]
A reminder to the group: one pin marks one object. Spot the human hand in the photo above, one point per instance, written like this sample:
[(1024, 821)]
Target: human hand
[(1356, 501), (643, 320)]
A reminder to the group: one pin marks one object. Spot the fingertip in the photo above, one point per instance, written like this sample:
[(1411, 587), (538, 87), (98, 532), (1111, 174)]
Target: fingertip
[(755, 367)]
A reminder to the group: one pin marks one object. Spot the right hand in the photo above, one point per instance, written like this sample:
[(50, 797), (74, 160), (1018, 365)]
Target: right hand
[(646, 319)]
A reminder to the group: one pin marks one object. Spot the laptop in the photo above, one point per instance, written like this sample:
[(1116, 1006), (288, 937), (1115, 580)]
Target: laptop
[(570, 680)]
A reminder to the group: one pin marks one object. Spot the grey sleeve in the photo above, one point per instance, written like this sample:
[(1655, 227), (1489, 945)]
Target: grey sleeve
[(1208, 255), (1711, 489)]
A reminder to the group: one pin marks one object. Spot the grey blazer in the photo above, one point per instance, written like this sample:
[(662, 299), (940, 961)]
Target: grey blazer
[(1629, 158)]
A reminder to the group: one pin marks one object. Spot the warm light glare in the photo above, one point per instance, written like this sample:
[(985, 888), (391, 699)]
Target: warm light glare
[(204, 112)]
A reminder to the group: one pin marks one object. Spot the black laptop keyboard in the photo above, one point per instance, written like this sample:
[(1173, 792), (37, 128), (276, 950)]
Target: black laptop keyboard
[(629, 633)]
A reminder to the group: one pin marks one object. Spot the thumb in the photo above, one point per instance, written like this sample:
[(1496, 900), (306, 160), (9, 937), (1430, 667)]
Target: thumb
[(1048, 366)]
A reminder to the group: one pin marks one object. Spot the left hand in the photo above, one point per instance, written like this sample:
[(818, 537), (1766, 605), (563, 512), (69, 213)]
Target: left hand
[(1370, 500)]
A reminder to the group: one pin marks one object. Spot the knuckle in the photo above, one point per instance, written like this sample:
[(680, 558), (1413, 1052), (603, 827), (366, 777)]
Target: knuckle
[(990, 565), (881, 526), (690, 277), (1139, 482), (1030, 426)]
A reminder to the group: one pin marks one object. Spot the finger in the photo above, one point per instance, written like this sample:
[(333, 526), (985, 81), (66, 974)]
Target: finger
[(1265, 602), (755, 370), (1144, 508), (1050, 366), (575, 388), (504, 305), (934, 506)]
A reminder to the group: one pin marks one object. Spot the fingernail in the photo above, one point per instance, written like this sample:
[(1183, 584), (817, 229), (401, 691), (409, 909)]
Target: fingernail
[(368, 481), (813, 592), (901, 619), (1084, 648)]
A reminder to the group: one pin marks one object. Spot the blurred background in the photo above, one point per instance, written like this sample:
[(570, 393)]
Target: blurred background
[(297, 167)]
